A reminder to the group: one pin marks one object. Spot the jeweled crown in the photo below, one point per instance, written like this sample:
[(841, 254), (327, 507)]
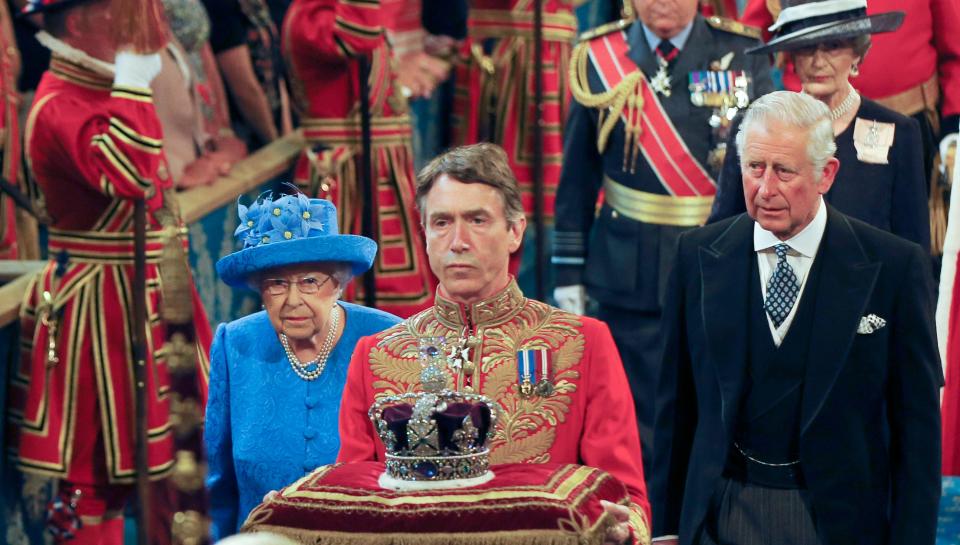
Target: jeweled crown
[(437, 434)]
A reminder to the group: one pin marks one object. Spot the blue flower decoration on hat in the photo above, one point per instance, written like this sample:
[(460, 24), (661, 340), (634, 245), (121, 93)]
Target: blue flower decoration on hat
[(290, 230)]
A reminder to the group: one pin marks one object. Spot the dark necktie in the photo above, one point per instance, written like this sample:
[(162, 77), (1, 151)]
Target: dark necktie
[(667, 51), (782, 288)]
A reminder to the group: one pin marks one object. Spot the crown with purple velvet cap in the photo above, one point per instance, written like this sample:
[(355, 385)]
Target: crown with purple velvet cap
[(436, 438)]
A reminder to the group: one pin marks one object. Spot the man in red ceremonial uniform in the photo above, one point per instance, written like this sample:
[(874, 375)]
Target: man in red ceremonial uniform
[(924, 54), (94, 144), (325, 42), (494, 100), (556, 376)]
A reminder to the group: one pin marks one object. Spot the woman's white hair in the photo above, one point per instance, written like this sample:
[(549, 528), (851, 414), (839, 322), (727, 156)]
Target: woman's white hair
[(796, 110)]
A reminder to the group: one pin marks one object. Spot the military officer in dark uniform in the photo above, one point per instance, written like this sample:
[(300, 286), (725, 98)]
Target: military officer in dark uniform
[(653, 99)]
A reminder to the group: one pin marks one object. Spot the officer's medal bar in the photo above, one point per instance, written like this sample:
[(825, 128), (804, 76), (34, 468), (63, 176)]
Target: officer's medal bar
[(722, 89), (533, 372)]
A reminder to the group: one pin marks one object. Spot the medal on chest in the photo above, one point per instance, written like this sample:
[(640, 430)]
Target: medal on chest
[(534, 369), (660, 82)]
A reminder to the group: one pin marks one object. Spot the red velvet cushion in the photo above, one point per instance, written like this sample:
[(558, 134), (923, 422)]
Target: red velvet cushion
[(524, 504)]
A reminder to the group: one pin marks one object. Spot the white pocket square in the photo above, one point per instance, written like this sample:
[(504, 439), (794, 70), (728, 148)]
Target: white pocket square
[(870, 323)]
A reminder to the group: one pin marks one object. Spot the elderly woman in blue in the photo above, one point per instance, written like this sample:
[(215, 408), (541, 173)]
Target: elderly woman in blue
[(276, 376)]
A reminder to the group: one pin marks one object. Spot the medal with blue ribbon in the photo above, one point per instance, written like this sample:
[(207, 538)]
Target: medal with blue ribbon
[(533, 372)]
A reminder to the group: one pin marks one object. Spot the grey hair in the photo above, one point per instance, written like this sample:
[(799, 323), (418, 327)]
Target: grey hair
[(796, 110), (343, 275)]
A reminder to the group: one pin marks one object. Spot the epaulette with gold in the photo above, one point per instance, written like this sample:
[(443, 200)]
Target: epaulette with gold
[(605, 29), (734, 27)]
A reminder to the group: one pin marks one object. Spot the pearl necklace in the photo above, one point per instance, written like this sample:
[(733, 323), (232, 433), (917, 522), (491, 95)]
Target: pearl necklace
[(319, 363), (846, 105)]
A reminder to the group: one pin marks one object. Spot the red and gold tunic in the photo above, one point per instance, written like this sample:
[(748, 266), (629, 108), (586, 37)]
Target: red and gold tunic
[(588, 419), (93, 148), (495, 82), (9, 132), (321, 41)]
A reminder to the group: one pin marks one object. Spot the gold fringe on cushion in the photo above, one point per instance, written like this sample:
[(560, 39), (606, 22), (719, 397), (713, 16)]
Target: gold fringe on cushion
[(527, 537), (575, 530)]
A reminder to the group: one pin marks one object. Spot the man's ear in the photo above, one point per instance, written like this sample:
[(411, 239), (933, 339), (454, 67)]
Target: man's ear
[(828, 174), (516, 230)]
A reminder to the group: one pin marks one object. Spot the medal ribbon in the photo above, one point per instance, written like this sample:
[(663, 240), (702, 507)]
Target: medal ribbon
[(526, 367), (662, 146)]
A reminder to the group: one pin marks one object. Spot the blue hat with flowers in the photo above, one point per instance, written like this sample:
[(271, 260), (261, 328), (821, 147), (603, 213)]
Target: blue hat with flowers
[(290, 230)]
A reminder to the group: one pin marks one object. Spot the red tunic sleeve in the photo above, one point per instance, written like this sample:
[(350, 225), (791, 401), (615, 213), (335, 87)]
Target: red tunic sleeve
[(326, 29), (610, 438), (946, 40), (117, 149), (358, 440)]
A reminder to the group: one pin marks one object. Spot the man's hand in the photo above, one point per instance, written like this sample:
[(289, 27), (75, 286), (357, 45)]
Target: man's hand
[(619, 533), (228, 147), (420, 74), (948, 156), (204, 170), (571, 298)]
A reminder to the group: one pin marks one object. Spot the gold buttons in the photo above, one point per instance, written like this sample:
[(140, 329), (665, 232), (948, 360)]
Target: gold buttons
[(468, 389), (469, 368)]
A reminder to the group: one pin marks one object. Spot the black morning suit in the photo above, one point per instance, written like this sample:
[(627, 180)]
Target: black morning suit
[(869, 421), (623, 262), (892, 197)]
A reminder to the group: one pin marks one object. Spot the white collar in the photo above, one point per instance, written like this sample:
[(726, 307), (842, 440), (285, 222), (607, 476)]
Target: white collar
[(74, 55), (805, 242)]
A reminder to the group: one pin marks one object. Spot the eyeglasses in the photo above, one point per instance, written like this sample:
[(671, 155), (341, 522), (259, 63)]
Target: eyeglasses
[(308, 285)]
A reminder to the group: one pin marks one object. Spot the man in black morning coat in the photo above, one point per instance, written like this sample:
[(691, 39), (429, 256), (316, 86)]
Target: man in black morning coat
[(798, 399)]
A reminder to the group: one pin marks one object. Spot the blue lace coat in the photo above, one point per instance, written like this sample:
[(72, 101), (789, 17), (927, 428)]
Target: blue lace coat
[(266, 427)]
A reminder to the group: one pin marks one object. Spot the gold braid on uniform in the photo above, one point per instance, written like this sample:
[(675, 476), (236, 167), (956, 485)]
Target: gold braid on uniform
[(626, 97)]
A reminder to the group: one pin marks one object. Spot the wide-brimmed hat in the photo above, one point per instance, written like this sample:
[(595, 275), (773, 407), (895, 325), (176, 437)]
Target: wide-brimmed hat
[(804, 23), (291, 230)]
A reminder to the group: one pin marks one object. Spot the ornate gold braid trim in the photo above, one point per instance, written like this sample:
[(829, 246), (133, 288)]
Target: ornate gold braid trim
[(609, 103), (639, 525)]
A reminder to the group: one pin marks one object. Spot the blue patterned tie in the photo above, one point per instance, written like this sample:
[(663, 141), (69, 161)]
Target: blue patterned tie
[(782, 289)]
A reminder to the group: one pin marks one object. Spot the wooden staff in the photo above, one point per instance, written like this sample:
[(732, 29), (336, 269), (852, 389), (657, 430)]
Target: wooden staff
[(366, 179), (540, 229), (140, 326)]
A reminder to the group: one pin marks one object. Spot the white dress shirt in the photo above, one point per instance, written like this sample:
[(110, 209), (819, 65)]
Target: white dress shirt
[(803, 249)]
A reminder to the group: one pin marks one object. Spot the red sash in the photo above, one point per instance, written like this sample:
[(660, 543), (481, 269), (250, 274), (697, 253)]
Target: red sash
[(664, 149)]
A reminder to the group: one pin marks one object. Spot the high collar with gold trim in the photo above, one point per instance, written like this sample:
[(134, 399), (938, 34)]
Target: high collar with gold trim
[(494, 310), (76, 66)]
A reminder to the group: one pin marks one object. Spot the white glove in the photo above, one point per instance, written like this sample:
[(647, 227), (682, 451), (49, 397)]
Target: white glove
[(571, 298), (135, 70)]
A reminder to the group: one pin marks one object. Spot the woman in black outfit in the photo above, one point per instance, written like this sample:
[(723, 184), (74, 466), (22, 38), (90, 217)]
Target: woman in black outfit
[(881, 179)]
